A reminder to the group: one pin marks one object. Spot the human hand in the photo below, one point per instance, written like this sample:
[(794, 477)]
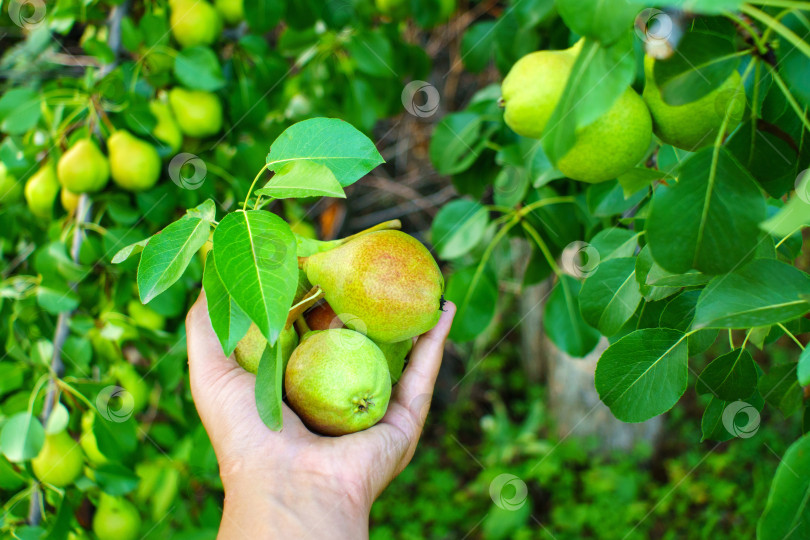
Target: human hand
[(295, 482)]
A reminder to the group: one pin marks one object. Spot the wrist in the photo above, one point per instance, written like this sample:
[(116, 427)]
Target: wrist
[(269, 505)]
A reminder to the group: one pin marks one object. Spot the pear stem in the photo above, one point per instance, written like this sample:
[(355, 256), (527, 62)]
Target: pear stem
[(298, 309)]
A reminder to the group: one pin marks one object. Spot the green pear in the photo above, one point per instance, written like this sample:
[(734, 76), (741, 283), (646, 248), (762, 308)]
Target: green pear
[(338, 382), (69, 200), (532, 88), (116, 519), (395, 354), (132, 381), (232, 11), (166, 130), (614, 143), (88, 440), (83, 168), (134, 163), (194, 22), (604, 149), (41, 191), (696, 124), (60, 460), (397, 9), (384, 284), (249, 350), (144, 316), (198, 113), (11, 189)]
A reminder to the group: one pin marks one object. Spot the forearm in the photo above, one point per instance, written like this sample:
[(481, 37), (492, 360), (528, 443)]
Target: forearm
[(291, 509)]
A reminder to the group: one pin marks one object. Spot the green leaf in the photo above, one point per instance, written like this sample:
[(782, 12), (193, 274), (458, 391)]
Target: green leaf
[(230, 323), (116, 479), (22, 437), (458, 227), (791, 218), (167, 255), (614, 242), (563, 321), (457, 142), (327, 141), (644, 374), (57, 298), (771, 159), (645, 265), (786, 513), (268, 392), (724, 420), (132, 249), (476, 301), (262, 15), (198, 68), (477, 44), (255, 255), (704, 61), (206, 210), (611, 70), (302, 179), (638, 178), (607, 199), (780, 387), (19, 110), (372, 52), (803, 369), (610, 296), (602, 21), (710, 220), (764, 292), (730, 377)]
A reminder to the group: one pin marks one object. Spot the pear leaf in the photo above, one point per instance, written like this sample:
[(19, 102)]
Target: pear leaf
[(255, 257), (22, 437), (130, 250), (326, 141), (230, 323), (785, 514), (302, 179), (268, 387), (167, 255)]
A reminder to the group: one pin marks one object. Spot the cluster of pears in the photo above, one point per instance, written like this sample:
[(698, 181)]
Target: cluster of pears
[(380, 290), (620, 138)]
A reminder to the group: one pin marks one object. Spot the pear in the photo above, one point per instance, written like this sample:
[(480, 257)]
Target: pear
[(88, 440), (41, 191), (194, 22), (145, 317), (250, 348), (134, 163), (696, 124), (83, 168), (614, 143), (322, 317), (198, 113), (11, 189), (69, 200), (532, 88), (116, 519), (395, 354), (132, 381), (338, 382), (60, 460), (233, 11), (604, 149), (384, 284), (166, 130)]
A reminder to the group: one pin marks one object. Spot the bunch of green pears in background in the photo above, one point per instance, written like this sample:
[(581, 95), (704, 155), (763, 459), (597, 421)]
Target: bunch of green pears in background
[(382, 288)]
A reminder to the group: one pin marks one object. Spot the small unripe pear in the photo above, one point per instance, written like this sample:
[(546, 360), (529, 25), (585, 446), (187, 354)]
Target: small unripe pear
[(338, 382), (41, 191), (116, 519), (11, 189), (69, 200), (250, 348), (88, 440), (198, 113), (60, 460), (384, 284), (134, 164), (166, 130), (696, 124), (395, 354), (194, 22), (83, 168), (233, 11)]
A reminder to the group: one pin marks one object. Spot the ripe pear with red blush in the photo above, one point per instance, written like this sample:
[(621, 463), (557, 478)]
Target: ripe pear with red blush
[(384, 284)]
